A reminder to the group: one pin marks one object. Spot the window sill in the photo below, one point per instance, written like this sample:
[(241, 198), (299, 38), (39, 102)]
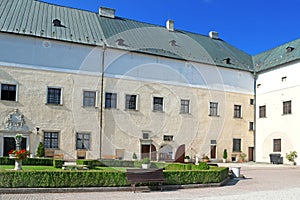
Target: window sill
[(185, 113), (52, 104), (237, 117), (131, 110), (286, 114), (158, 111), (214, 115)]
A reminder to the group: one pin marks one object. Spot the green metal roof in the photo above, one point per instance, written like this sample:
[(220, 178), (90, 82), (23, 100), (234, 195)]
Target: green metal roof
[(278, 56), (35, 18)]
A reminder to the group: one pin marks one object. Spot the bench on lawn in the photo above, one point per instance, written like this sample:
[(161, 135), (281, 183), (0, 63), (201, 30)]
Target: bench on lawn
[(135, 176)]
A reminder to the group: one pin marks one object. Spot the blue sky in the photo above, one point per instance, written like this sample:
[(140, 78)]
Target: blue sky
[(252, 26)]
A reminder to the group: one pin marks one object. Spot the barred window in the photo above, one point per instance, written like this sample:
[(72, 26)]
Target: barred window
[(130, 102), (8, 92), (89, 98), (158, 103), (51, 140), (213, 109), (83, 141), (185, 106), (54, 96), (110, 100), (287, 107), (237, 111)]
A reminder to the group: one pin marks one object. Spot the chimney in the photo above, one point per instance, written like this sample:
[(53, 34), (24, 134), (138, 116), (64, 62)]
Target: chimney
[(170, 25), (214, 35), (107, 12)]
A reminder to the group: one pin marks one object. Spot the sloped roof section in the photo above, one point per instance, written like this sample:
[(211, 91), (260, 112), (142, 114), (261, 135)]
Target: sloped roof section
[(275, 57), (36, 18)]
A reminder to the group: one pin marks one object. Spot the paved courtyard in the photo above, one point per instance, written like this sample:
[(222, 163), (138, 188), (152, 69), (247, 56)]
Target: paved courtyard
[(261, 182)]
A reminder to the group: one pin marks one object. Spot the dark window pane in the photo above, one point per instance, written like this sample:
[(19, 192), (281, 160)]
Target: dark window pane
[(110, 100), (8, 92), (158, 104), (130, 102), (54, 96)]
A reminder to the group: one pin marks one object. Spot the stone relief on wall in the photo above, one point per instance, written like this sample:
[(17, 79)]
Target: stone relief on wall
[(15, 121)]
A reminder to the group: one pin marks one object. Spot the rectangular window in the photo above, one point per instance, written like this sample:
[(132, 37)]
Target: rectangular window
[(277, 145), (237, 111), (213, 109), (287, 107), (8, 92), (262, 111), (185, 106), (131, 102), (146, 136), (110, 100), (83, 141), (158, 103), (251, 126), (236, 145), (251, 101), (54, 96), (168, 137), (51, 140), (89, 98)]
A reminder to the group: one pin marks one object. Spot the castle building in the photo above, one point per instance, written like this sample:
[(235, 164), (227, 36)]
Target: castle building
[(95, 85)]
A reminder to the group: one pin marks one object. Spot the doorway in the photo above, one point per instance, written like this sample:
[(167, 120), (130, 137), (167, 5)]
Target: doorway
[(10, 143), (250, 154)]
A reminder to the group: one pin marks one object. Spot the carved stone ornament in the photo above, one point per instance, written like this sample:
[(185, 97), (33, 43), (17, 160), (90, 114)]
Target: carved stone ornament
[(15, 121)]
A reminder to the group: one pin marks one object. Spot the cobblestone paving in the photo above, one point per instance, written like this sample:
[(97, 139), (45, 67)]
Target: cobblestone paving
[(261, 182)]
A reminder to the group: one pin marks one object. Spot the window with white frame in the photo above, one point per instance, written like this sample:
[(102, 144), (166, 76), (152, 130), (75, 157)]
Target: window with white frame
[(89, 98), (51, 140), (110, 100), (237, 111), (8, 92), (287, 107), (213, 108), (185, 106), (158, 103), (168, 137), (83, 141), (131, 102), (54, 95)]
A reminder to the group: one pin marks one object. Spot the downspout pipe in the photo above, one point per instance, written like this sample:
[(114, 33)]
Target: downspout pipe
[(101, 98)]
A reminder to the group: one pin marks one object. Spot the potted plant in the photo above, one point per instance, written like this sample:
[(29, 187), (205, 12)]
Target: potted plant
[(134, 156), (205, 158), (225, 155), (242, 157), (291, 157), (187, 158), (146, 163)]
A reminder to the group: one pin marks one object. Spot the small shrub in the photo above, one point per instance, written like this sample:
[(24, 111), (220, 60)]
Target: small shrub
[(146, 161), (40, 150), (58, 163)]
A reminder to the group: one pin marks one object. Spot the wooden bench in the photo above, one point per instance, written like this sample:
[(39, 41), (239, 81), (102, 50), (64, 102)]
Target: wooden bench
[(135, 176)]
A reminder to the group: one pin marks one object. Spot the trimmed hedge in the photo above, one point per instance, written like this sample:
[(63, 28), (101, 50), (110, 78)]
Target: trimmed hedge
[(57, 163), (28, 161), (183, 167), (54, 179), (216, 175)]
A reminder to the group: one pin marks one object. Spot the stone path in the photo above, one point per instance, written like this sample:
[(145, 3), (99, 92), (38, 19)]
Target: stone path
[(261, 182)]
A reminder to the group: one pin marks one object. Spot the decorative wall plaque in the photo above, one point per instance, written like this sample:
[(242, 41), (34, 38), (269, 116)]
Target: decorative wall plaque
[(15, 121)]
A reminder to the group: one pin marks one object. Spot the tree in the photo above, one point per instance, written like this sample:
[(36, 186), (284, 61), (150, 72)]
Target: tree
[(40, 150)]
